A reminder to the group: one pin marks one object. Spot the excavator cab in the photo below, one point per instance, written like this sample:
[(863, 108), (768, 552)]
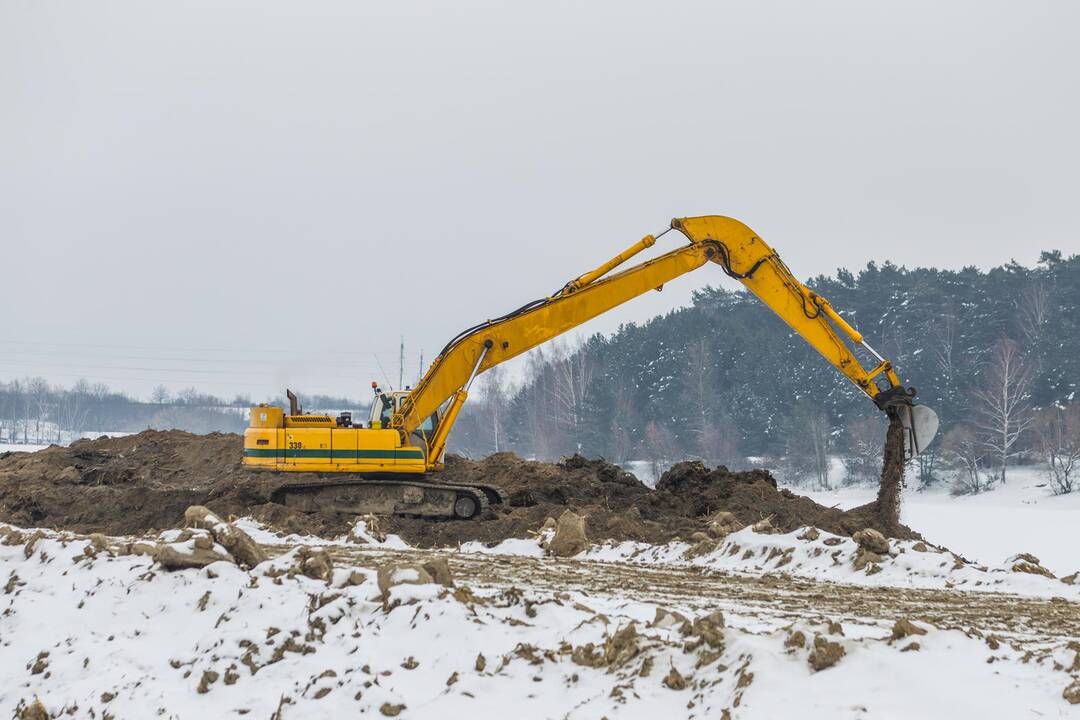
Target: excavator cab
[(385, 405)]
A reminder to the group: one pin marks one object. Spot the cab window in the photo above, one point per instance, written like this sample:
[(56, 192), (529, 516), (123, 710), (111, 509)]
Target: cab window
[(428, 425), (386, 413)]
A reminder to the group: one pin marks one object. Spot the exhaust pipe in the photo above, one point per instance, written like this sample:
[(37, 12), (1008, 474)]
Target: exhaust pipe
[(294, 403)]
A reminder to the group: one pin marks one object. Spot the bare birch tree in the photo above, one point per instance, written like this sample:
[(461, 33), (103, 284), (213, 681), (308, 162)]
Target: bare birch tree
[(39, 400), (965, 456), (1057, 430), (944, 335), (160, 395), (14, 404), (1003, 408), (819, 433), (809, 439), (535, 405), (661, 446), (1033, 311), (71, 414), (495, 400), (866, 446), (714, 434), (572, 375), (720, 442), (622, 419), (698, 383), (27, 410)]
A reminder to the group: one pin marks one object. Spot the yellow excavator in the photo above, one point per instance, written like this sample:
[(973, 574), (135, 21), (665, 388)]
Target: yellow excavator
[(391, 464)]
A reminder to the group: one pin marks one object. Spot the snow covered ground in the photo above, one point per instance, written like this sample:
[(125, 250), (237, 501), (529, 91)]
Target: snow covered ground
[(752, 626), (1021, 516), (95, 633), (7, 447), (66, 438)]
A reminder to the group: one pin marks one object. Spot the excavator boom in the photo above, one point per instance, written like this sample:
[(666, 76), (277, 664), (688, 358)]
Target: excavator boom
[(498, 340)]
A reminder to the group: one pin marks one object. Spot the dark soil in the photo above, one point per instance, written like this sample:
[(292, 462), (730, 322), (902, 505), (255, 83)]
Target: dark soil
[(128, 485), (144, 482), (892, 477)]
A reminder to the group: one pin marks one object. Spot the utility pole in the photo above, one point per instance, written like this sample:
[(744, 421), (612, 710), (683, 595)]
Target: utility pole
[(420, 372), (401, 364)]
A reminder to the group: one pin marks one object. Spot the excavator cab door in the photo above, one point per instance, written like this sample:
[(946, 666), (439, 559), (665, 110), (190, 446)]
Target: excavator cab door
[(920, 427), (383, 410)]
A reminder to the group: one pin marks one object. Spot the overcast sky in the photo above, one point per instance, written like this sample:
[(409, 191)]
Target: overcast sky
[(240, 196)]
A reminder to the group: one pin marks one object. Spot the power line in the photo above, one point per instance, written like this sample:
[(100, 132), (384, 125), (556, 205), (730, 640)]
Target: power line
[(83, 376), (187, 348), (240, 373), (307, 362)]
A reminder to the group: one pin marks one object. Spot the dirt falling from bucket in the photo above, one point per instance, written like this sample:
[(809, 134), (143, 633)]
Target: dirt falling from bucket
[(892, 476)]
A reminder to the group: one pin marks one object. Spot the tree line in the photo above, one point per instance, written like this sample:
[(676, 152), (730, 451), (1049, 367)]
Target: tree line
[(33, 411)]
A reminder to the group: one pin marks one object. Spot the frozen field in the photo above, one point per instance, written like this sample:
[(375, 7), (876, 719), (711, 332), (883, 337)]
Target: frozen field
[(1021, 516)]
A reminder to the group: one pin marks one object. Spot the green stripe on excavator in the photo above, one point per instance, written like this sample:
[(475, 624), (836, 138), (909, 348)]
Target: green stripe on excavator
[(338, 454)]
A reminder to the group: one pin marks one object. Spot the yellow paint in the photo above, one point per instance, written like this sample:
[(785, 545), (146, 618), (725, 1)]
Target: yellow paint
[(345, 440), (646, 242), (265, 416), (442, 432), (261, 438), (305, 439)]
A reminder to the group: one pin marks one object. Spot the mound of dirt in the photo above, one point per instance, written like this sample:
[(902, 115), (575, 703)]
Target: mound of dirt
[(128, 485), (145, 482)]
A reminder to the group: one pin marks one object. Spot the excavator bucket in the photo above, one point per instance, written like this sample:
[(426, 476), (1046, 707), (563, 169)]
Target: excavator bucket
[(920, 427)]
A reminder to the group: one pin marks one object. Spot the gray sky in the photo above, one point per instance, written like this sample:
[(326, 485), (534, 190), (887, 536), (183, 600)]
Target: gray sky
[(242, 195)]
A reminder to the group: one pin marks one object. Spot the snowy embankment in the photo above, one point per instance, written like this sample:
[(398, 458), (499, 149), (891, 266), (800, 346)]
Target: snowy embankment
[(1021, 516), (91, 628), (817, 555)]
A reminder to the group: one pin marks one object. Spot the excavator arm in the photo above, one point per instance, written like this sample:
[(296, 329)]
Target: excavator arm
[(728, 243), (747, 258)]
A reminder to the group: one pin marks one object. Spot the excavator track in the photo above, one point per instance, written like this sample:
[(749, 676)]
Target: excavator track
[(494, 494), (384, 496)]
